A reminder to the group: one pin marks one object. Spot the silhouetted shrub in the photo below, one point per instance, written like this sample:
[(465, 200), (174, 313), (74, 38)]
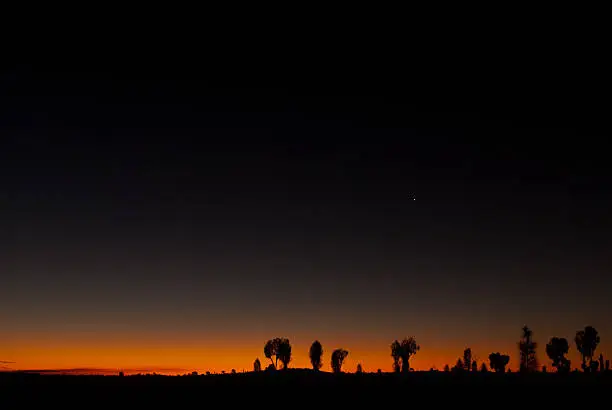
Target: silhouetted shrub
[(257, 365), (359, 369), (556, 350), (498, 362)]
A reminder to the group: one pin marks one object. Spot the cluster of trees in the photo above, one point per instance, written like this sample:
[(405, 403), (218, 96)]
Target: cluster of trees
[(587, 340), (280, 349)]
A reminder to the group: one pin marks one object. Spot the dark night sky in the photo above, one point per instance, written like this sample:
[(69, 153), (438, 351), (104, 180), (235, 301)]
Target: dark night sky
[(176, 208)]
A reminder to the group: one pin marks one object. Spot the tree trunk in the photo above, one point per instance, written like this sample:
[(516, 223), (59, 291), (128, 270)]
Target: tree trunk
[(405, 364)]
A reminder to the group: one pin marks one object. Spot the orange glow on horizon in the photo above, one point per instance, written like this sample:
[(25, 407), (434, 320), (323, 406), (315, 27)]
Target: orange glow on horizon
[(134, 356)]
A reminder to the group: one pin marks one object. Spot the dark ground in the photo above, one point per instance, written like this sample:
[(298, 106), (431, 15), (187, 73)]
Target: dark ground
[(303, 388)]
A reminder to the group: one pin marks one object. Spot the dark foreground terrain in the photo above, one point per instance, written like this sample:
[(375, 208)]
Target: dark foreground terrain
[(303, 388)]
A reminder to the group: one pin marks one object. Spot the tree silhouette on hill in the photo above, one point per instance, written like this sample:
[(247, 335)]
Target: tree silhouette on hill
[(467, 358), (316, 354), (284, 353), (271, 349), (337, 358), (498, 362), (280, 348), (402, 351), (556, 350), (586, 343), (527, 350), (257, 365)]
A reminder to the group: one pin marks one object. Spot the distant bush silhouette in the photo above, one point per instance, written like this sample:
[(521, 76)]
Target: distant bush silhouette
[(257, 365), (601, 363), (316, 354), (474, 366), (402, 351), (607, 365), (556, 350), (337, 358), (467, 358), (459, 366), (284, 353), (359, 369), (483, 368), (586, 343), (498, 362), (270, 368), (446, 368), (527, 350)]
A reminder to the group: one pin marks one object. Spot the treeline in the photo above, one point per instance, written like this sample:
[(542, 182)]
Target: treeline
[(586, 341)]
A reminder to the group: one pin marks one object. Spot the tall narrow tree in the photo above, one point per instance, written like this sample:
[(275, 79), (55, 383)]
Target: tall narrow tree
[(467, 358), (527, 350), (284, 352), (316, 353)]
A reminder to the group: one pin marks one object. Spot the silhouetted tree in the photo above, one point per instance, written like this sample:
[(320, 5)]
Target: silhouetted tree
[(467, 358), (498, 362), (337, 358), (359, 369), (446, 368), (271, 349), (403, 351), (395, 353), (257, 365), (556, 350), (586, 343), (284, 353), (527, 347), (607, 365), (483, 368), (233, 371), (601, 363), (316, 353), (270, 367), (474, 366)]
